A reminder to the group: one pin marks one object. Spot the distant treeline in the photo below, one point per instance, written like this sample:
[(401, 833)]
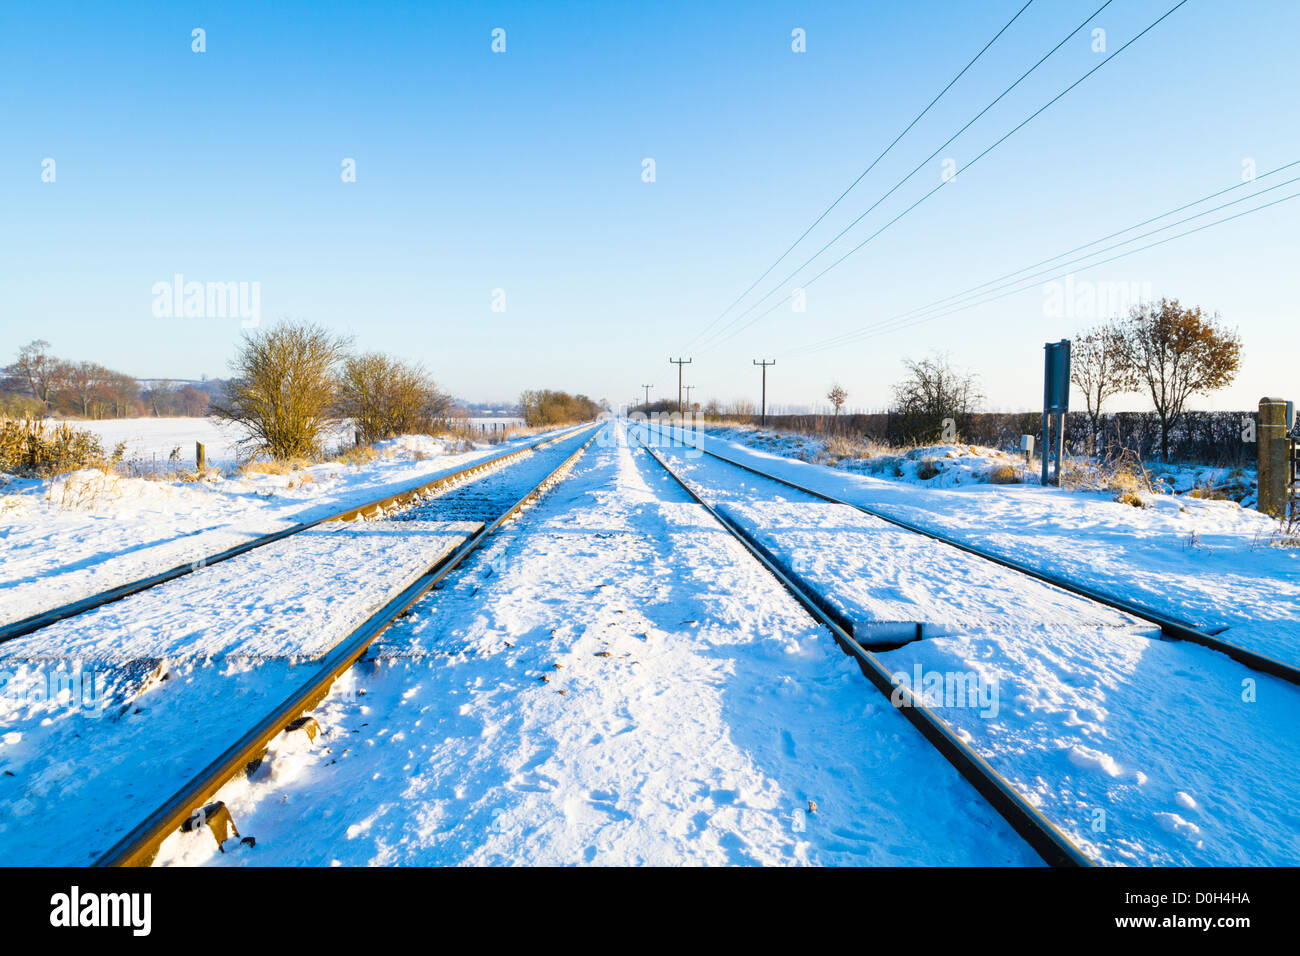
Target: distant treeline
[(1208, 438), (40, 383), (548, 407)]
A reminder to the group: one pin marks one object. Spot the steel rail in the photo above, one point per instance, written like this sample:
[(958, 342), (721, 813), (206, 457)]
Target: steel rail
[(1171, 627), (1055, 848), (42, 619), (140, 846)]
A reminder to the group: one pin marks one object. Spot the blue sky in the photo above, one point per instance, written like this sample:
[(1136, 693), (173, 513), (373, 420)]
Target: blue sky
[(522, 171)]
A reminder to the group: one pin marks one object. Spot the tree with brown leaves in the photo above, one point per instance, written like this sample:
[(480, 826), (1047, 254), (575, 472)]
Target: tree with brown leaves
[(1178, 352)]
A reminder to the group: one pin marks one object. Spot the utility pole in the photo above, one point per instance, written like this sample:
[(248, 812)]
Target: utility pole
[(647, 395), (688, 394), (765, 364), (679, 363)]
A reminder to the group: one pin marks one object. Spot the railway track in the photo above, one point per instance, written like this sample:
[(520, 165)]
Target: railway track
[(381, 506), (1053, 846), (489, 502), (1170, 626)]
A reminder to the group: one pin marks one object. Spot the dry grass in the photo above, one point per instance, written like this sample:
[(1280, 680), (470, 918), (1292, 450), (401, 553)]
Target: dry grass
[(32, 448), (356, 455), (85, 490), (837, 448), (274, 466), (1005, 475), (1210, 493)]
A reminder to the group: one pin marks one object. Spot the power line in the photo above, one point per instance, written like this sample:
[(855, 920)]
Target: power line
[(951, 300), (1122, 255), (862, 174), (718, 336)]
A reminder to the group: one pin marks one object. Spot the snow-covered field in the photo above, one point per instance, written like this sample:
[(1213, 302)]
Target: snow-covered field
[(64, 539), (167, 440), (613, 679)]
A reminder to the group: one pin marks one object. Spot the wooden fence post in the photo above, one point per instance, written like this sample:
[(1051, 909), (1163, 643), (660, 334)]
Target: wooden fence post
[(1274, 468), (200, 457)]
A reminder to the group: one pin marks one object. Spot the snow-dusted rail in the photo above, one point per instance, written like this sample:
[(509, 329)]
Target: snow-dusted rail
[(402, 498), (186, 808), (1041, 834), (1169, 626)]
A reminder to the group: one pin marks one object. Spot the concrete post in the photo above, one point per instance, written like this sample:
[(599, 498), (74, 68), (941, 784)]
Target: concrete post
[(1273, 453)]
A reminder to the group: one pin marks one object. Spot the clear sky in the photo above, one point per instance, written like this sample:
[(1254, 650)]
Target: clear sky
[(522, 171)]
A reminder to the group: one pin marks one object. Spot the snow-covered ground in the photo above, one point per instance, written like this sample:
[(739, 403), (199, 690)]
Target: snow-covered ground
[(1143, 751), (1213, 563), (171, 440), (87, 721), (613, 682), (64, 539), (613, 679), (954, 464)]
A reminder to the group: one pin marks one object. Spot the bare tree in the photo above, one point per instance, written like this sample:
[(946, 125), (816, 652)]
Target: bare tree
[(40, 371), (386, 397), (282, 389), (933, 393), (85, 380), (837, 396), (1178, 352), (191, 402), (161, 398), (122, 391), (1100, 367)]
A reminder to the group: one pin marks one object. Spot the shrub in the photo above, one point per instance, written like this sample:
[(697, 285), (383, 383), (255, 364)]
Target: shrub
[(385, 397), (283, 388), (1005, 475), (32, 448), (547, 407), (932, 393), (927, 470)]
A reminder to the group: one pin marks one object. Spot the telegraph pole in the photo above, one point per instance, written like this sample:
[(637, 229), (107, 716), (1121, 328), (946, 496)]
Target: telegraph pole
[(688, 393), (647, 395), (679, 363), (765, 364)]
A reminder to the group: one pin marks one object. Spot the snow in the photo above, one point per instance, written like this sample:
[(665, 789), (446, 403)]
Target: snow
[(613, 679), (1096, 712), (66, 538), (628, 687), (1212, 563), (163, 438)]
